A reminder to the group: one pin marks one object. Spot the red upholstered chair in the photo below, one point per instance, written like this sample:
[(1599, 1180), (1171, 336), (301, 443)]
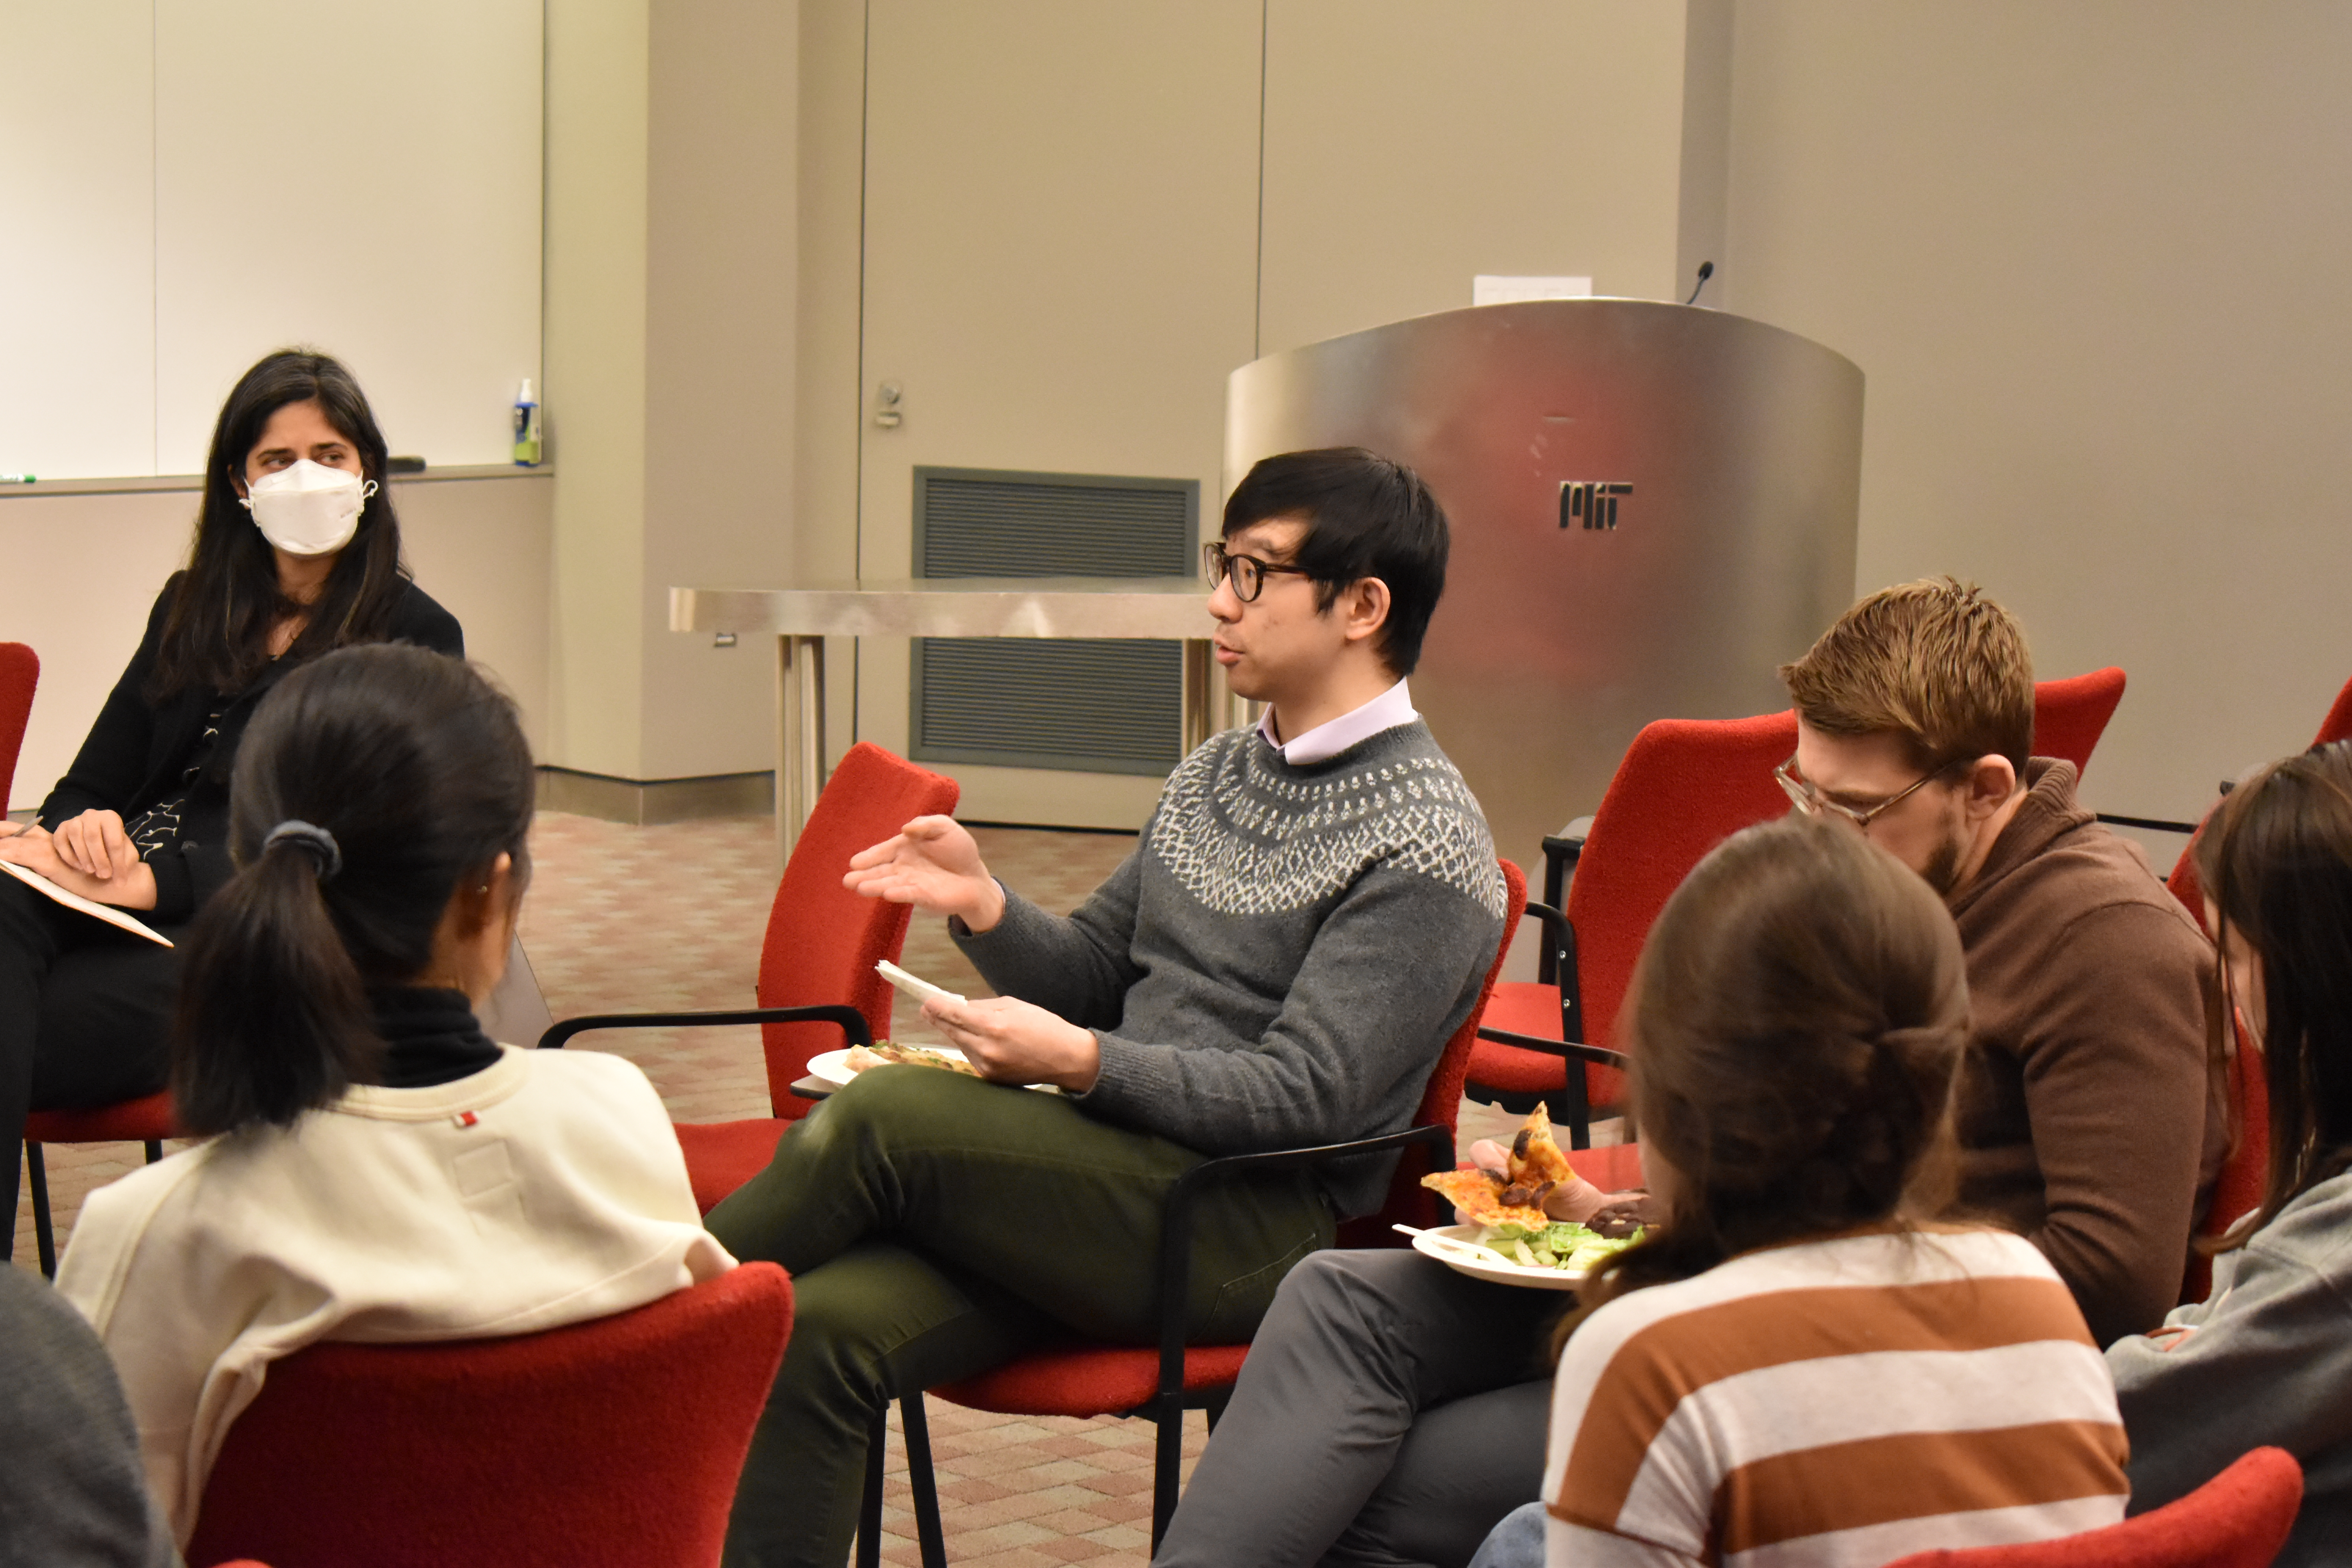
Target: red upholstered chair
[(147, 1121), (2336, 726), (2237, 1189), (1684, 785), (2240, 1519), (1087, 1379), (20, 674), (817, 982), (2070, 715), (2183, 881), (602, 1444)]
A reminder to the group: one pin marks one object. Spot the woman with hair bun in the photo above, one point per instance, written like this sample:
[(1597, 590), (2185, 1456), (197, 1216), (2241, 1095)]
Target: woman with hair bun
[(1795, 1364), (376, 1169), (2263, 1358), (297, 551)]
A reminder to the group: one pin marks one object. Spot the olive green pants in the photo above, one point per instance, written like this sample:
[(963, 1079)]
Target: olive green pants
[(935, 1226)]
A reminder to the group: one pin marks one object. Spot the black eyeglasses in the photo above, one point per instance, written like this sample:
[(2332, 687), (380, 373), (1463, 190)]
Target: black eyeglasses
[(1247, 572)]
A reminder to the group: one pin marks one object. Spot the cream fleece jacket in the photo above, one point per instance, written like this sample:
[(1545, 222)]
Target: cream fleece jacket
[(546, 1189)]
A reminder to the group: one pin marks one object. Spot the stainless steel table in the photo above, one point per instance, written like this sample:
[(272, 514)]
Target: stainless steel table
[(802, 618)]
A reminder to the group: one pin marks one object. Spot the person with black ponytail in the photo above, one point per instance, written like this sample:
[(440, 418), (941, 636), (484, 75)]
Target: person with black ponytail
[(373, 1168), (2264, 1358), (297, 551), (1798, 1360)]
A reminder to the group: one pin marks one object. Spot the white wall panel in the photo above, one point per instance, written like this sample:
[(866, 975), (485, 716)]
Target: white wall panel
[(363, 178), (77, 239)]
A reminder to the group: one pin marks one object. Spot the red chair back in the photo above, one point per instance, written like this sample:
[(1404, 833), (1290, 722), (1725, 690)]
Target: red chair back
[(2240, 1519), (1685, 785), (1410, 1202), (2070, 715), (2183, 881), (2238, 1187), (20, 672), (605, 1443), (2336, 726), (822, 940)]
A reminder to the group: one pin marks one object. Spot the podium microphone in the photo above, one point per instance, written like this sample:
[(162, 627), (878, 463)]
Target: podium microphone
[(1706, 271)]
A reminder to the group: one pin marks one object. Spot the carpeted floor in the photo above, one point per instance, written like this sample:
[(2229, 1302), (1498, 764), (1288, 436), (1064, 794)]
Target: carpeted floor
[(621, 918), (637, 919)]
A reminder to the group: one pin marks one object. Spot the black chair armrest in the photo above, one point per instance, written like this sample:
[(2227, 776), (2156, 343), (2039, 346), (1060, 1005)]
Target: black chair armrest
[(1557, 966), (1561, 851), (1176, 1225), (852, 1021), (1575, 1049)]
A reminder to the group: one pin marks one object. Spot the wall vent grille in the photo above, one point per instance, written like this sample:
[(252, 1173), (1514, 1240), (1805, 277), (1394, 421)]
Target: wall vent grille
[(1106, 705)]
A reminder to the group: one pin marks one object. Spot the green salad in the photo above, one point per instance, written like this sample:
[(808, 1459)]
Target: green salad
[(1561, 1245)]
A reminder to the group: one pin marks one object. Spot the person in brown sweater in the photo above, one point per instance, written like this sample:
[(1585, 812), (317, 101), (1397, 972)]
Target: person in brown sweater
[(2089, 1121), (1392, 1411)]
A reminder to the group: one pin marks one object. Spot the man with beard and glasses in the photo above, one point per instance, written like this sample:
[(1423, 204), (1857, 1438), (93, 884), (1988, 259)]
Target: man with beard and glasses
[(2087, 1121), (1392, 1411)]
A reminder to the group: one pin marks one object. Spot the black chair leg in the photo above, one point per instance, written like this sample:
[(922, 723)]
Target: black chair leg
[(1167, 1470), (37, 1175), (869, 1507), (154, 1150), (929, 1536)]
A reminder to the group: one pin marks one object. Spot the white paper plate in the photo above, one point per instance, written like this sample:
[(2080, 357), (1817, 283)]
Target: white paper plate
[(1451, 1246), (833, 1067)]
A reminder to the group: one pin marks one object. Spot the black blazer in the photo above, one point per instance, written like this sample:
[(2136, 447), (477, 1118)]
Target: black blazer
[(138, 751)]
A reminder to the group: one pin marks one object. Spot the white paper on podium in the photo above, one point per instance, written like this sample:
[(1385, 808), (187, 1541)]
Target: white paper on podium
[(106, 913)]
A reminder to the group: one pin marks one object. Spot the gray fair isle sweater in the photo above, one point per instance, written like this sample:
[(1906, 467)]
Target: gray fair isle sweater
[(1284, 956)]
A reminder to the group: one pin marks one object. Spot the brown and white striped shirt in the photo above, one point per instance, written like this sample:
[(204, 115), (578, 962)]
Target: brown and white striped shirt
[(1838, 1404)]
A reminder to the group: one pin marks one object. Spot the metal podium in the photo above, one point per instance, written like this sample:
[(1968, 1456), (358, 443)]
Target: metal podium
[(1652, 507)]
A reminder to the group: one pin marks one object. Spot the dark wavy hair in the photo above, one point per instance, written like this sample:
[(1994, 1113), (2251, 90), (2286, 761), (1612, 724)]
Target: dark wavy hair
[(216, 632), (2276, 862), (418, 767), (1796, 1021)]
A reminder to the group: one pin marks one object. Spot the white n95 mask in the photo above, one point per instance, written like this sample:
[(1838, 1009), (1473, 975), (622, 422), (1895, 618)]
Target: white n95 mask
[(309, 509)]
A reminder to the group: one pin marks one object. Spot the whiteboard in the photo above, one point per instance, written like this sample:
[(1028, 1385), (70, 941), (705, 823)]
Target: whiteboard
[(187, 185)]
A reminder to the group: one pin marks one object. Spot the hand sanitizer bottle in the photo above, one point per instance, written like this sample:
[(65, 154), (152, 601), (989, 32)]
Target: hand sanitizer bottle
[(526, 421)]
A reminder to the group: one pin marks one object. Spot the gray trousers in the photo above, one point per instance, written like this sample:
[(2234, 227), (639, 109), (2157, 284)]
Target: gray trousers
[(1391, 1412)]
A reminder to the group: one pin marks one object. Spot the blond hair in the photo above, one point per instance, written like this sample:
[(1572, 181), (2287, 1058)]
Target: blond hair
[(1933, 661)]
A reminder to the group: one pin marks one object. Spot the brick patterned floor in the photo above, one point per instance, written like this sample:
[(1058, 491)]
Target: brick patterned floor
[(624, 918), (621, 918)]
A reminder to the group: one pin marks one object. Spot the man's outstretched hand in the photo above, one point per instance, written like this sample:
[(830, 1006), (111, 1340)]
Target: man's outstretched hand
[(932, 864), (1012, 1041)]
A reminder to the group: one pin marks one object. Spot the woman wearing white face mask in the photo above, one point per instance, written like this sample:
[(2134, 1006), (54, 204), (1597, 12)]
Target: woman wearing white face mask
[(297, 553)]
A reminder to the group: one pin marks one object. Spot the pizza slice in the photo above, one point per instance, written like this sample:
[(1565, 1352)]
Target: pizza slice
[(885, 1053), (1535, 1153), (1485, 1198)]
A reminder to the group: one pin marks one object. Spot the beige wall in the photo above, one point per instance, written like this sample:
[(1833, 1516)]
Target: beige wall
[(597, 86), (2090, 258), (1060, 240), (480, 546), (671, 304), (1060, 209), (1410, 145)]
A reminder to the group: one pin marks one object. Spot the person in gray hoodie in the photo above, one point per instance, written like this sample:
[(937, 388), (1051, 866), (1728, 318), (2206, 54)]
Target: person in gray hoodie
[(2265, 1358)]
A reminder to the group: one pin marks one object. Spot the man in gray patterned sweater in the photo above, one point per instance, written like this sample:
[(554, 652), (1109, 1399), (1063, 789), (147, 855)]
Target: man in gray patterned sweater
[(1308, 916)]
